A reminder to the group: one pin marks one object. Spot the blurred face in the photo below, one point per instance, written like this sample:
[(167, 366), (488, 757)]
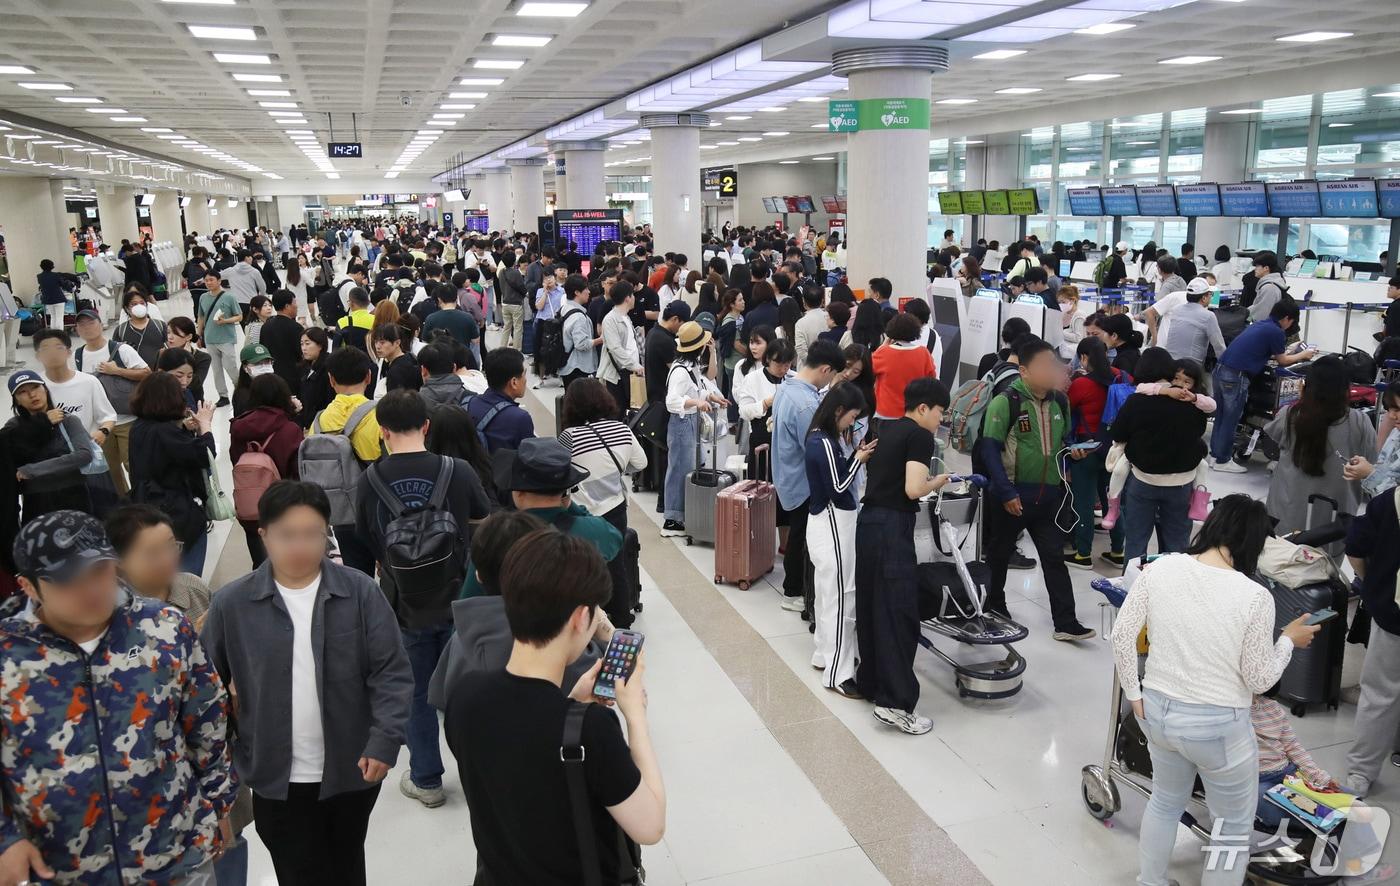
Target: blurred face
[(309, 349), (560, 274), (739, 304), (1261, 271), (853, 370), (779, 369), (303, 261), (1043, 372), (153, 559), (385, 348), (1392, 291), (928, 417), (33, 397), (847, 419), (85, 603), (52, 354), (296, 541), (265, 311), (1392, 411)]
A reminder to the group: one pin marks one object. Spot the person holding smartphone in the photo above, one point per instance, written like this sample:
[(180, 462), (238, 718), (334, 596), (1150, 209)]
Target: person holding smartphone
[(505, 728)]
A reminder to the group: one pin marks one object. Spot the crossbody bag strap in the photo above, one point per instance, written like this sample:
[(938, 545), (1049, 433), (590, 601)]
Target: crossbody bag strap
[(606, 448), (573, 754)]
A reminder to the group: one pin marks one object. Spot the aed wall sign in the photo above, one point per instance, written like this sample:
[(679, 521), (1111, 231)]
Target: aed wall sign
[(722, 181), (875, 114)]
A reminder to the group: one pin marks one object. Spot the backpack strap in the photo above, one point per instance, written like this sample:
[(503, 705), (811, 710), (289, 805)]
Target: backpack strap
[(606, 448), (441, 484), (573, 754), (353, 422), (386, 495), (490, 416), (114, 353)]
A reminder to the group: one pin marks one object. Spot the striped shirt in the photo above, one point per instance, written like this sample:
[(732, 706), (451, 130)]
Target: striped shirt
[(607, 450), (1278, 746)]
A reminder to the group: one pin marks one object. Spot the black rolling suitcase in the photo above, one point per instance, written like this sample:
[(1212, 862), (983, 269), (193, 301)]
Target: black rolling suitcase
[(1314, 675), (626, 571)]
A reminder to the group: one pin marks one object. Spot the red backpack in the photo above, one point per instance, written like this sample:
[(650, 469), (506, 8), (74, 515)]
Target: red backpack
[(254, 472)]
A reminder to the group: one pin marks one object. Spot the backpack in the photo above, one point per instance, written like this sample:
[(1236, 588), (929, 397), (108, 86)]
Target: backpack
[(118, 389), (486, 419), (1118, 394), (253, 473), (422, 547), (550, 354), (964, 415), (1101, 270), (329, 461)]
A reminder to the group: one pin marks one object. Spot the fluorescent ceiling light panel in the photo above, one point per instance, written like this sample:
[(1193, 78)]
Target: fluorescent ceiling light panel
[(530, 40), (300, 132), (211, 32), (777, 133), (467, 107), (709, 147), (1105, 28), (812, 98), (439, 114), (1189, 60), (821, 126), (270, 93), (238, 58), (743, 70), (1385, 95), (1018, 90), (77, 100), (823, 158), (750, 138), (284, 113), (128, 119), (155, 129), (773, 110), (277, 104), (1306, 37), (51, 87), (15, 69), (550, 10), (457, 95), (332, 175), (258, 78), (739, 117), (1091, 78), (172, 137), (1339, 125), (788, 162), (498, 64), (997, 55), (105, 110), (909, 19), (202, 2), (480, 81), (956, 101)]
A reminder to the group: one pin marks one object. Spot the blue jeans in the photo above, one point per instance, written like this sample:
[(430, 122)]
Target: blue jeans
[(1164, 508), (1218, 744), (1231, 391), (232, 868), (424, 647), (1268, 814), (192, 560), (1088, 481), (681, 435)]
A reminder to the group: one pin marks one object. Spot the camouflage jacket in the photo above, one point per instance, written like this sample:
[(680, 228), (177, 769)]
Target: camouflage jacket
[(114, 765)]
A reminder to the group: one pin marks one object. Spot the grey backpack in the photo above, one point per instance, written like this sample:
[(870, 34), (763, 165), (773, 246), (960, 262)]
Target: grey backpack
[(117, 388), (329, 461)]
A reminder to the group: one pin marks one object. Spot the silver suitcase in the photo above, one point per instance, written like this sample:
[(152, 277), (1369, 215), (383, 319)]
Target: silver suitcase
[(702, 488)]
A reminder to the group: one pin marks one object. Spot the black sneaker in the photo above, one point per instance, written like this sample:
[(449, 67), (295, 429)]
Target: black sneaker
[(1074, 561), (1018, 560), (1117, 559), (1075, 631), (848, 690), (673, 529), (223, 401)]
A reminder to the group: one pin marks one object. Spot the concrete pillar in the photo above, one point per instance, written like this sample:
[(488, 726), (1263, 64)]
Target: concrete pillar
[(677, 213), (165, 218), (526, 192), (1003, 171), (62, 221), (197, 214), (1223, 161), (583, 172), (31, 232), (559, 169), (887, 174), (291, 211), (495, 193), (117, 213)]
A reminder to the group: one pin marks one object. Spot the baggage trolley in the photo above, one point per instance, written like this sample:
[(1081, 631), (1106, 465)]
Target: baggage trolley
[(1126, 764), (952, 594)]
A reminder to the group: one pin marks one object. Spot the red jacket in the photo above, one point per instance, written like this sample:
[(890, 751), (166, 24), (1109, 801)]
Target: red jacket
[(1086, 402), (273, 427), (894, 368)]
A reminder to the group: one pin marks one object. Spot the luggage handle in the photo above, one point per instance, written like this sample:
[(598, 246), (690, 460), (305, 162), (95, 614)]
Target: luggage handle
[(762, 451), (1312, 502)]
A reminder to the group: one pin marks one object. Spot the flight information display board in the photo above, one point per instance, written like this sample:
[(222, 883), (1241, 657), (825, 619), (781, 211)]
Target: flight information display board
[(587, 227), (1156, 201), (1293, 199), (1243, 199), (1198, 201), (973, 204), (1085, 201), (1348, 198), (997, 202), (950, 203), (805, 204), (769, 205), (830, 203), (478, 222), (1024, 201), (1120, 201), (1389, 197)]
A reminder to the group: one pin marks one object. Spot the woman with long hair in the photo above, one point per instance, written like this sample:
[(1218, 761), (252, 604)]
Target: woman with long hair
[(761, 306), (1088, 475), (298, 281), (48, 448), (180, 333), (1213, 650), (833, 461), (314, 391), (1124, 343), (1317, 436), (868, 328), (756, 384), (860, 373), (601, 445), (170, 456), (451, 432), (269, 426), (1147, 262)]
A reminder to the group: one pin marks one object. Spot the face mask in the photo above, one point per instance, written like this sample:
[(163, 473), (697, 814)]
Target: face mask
[(258, 369), (137, 311)]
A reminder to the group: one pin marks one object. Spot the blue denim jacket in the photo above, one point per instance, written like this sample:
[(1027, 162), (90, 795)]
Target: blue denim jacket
[(1387, 472), (794, 404)]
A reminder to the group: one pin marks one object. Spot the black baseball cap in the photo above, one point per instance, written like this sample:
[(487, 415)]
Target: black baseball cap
[(676, 308), (61, 545)]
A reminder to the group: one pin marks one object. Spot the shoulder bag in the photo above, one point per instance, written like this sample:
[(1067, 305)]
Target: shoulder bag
[(572, 753)]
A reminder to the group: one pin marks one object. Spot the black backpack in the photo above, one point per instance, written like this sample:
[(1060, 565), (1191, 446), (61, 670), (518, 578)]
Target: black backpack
[(422, 551), (550, 355)]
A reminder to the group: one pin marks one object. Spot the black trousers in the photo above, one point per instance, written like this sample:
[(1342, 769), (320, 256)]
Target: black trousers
[(887, 607), (622, 392), (797, 567), (575, 376), (1038, 520), (316, 842), (354, 552)]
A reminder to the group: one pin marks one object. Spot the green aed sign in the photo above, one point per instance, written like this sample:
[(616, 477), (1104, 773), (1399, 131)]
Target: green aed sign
[(875, 114)]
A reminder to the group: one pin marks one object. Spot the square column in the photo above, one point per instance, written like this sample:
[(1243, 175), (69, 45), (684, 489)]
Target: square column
[(117, 213), (31, 235), (677, 216), (495, 193), (527, 192), (1223, 160), (197, 214), (165, 218)]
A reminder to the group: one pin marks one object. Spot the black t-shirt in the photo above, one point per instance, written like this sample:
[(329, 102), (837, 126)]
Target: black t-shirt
[(1392, 319), (505, 732), (660, 352), (901, 442), (645, 300), (403, 372)]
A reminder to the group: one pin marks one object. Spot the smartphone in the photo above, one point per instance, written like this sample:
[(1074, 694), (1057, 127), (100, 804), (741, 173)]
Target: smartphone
[(1087, 445), (620, 660), (1320, 616), (1345, 460)]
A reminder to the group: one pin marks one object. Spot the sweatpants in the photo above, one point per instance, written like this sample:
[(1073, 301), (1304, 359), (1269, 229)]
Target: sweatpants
[(223, 366), (1378, 709), (831, 545), (887, 607), (314, 841)]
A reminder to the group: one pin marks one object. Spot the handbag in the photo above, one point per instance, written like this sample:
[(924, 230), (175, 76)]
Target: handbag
[(217, 503), (1200, 503), (98, 465), (650, 424), (572, 752)]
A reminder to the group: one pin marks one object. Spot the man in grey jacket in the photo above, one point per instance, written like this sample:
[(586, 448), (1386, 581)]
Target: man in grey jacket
[(580, 343), (513, 289), (245, 281), (323, 687), (1270, 289)]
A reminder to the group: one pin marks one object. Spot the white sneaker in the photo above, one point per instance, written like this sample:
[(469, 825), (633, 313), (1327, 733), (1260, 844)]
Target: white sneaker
[(1357, 784), (794, 604), (430, 797), (1229, 467), (904, 720)]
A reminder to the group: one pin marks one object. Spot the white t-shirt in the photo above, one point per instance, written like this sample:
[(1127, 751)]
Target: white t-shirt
[(90, 646), (308, 737), (1164, 306), (82, 396), (93, 359)]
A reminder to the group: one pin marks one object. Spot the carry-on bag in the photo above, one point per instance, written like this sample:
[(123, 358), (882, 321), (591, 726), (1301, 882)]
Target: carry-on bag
[(702, 489), (746, 530)]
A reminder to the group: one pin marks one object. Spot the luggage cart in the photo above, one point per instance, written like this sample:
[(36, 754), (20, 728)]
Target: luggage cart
[(1270, 391), (1126, 764), (952, 594)]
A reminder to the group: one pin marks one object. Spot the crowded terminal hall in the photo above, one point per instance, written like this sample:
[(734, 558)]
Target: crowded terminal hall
[(399, 395)]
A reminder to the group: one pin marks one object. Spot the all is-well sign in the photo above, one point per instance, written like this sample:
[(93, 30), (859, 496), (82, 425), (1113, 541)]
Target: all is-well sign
[(874, 114)]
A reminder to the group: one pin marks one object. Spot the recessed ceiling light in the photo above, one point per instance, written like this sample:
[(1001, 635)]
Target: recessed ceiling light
[(773, 110), (15, 69), (777, 133), (1018, 90), (1105, 28), (258, 78), (271, 93), (820, 126), (448, 116), (750, 138), (171, 137), (332, 175), (155, 129), (1189, 60), (391, 174), (999, 54), (53, 87), (530, 40), (457, 95), (956, 101), (456, 107), (823, 158), (77, 100), (1313, 36), (1339, 125), (106, 110), (498, 64), (128, 119), (788, 162), (211, 32), (737, 117), (551, 10), (429, 132), (813, 98), (277, 104), (1091, 78), (238, 58), (1243, 111), (480, 81), (299, 132)]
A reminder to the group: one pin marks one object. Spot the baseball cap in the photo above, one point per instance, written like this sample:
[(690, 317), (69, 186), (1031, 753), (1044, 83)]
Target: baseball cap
[(88, 314), (1122, 246), (61, 545), (22, 378), (1198, 285), (676, 308), (706, 321), (254, 353)]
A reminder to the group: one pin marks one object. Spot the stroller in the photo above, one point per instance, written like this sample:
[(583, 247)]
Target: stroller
[(1127, 763), (952, 593)]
